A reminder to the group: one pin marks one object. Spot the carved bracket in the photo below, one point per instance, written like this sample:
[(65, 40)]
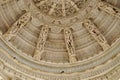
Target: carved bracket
[(93, 30), (16, 27), (70, 45), (41, 42)]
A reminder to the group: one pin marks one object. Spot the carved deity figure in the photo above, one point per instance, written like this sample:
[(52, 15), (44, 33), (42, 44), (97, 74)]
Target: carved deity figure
[(41, 42), (15, 28), (109, 9), (69, 44), (92, 28)]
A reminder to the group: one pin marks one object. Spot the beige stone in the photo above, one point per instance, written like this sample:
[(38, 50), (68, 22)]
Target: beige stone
[(59, 40)]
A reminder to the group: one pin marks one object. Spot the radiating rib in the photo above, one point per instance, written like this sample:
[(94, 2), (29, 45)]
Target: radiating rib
[(16, 27), (110, 9), (52, 9), (93, 30), (41, 42), (70, 45)]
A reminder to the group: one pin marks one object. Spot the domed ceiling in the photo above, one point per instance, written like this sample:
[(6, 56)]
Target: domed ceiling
[(59, 39)]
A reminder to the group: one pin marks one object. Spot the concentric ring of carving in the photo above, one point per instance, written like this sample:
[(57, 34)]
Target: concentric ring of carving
[(59, 8), (80, 51), (70, 12)]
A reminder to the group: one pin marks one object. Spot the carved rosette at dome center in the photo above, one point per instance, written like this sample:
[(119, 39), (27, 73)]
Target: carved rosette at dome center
[(59, 8)]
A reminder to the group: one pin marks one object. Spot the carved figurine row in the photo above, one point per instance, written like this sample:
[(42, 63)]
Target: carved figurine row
[(16, 27), (109, 9), (70, 45), (93, 30), (41, 42)]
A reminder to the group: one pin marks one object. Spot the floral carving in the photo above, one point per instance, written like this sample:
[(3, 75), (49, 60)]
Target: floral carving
[(63, 7), (93, 30)]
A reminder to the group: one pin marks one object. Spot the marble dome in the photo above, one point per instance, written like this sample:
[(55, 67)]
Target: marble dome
[(59, 39)]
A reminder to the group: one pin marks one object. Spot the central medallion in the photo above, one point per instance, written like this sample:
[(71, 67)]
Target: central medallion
[(59, 8)]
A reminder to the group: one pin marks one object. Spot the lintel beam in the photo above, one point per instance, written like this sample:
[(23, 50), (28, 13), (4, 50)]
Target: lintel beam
[(108, 8)]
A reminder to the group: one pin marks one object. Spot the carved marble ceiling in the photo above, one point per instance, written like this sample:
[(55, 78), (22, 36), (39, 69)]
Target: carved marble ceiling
[(59, 39)]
